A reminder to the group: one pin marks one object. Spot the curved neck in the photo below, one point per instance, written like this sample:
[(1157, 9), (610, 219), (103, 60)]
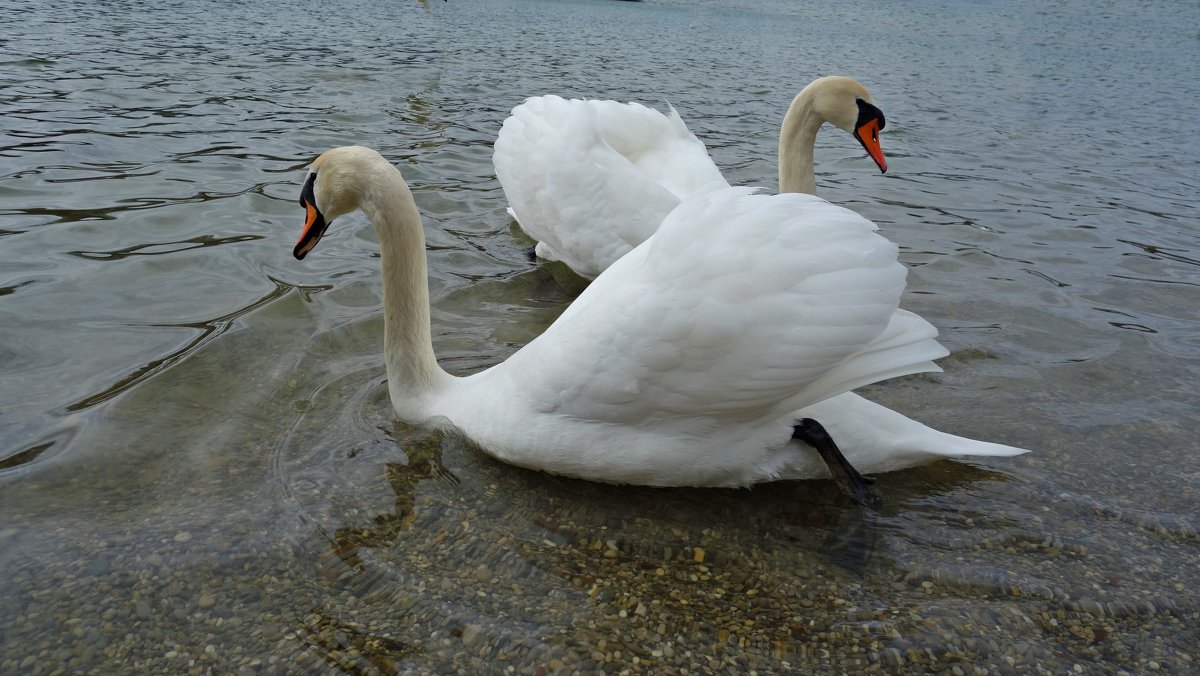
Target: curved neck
[(796, 140), (412, 369)]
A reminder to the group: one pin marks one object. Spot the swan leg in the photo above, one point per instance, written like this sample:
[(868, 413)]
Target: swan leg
[(848, 480), (531, 253)]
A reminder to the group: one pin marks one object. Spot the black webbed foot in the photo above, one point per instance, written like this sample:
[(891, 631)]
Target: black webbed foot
[(847, 479), (531, 253)]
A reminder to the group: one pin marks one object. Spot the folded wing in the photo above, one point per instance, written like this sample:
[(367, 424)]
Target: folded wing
[(590, 180), (741, 306)]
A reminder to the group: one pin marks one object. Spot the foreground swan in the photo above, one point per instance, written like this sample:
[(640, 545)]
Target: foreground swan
[(690, 361), (590, 180)]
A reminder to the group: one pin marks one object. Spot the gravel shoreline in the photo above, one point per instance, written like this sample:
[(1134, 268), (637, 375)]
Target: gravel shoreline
[(474, 567)]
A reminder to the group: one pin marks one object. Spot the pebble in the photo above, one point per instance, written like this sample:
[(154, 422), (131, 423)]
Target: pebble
[(585, 592), (471, 635)]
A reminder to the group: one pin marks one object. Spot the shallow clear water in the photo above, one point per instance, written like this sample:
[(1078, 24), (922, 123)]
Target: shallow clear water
[(198, 463)]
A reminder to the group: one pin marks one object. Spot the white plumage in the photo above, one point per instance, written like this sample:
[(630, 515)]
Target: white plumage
[(685, 363), (590, 180)]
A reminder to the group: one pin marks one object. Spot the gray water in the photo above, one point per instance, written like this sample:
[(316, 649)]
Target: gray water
[(199, 469)]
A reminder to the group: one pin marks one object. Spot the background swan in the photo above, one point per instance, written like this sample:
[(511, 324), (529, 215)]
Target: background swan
[(690, 361), (590, 180)]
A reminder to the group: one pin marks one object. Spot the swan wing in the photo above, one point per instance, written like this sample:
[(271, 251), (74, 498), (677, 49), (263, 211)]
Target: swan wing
[(741, 306), (660, 146), (590, 180)]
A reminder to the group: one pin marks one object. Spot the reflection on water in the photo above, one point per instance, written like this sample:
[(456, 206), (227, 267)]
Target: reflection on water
[(208, 329), (199, 468), (420, 464)]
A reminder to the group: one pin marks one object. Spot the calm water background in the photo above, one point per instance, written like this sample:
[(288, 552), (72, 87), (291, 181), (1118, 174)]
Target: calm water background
[(199, 467)]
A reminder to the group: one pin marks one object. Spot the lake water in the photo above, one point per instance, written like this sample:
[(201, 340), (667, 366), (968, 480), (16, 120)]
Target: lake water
[(199, 469)]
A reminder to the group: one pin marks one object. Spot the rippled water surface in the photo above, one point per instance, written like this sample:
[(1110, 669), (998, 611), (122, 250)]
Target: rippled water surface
[(199, 468)]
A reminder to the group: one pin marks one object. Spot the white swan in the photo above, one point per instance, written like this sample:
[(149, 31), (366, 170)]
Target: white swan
[(590, 180), (694, 360)]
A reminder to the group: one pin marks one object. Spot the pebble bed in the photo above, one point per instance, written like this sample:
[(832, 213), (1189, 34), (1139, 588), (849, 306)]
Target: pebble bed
[(439, 560)]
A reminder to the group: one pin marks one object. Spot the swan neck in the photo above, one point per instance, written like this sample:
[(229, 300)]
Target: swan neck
[(796, 140), (412, 369)]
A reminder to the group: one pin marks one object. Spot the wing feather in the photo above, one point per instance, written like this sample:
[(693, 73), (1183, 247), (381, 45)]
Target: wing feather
[(741, 305), (590, 180)]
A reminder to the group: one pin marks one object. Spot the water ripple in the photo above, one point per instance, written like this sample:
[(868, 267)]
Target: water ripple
[(207, 330), (179, 425)]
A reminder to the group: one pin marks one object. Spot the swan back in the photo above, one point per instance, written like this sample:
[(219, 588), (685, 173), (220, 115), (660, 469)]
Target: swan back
[(590, 180), (660, 146), (742, 306)]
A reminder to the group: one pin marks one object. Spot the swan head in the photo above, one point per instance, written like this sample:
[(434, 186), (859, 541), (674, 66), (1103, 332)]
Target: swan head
[(333, 187), (845, 103)]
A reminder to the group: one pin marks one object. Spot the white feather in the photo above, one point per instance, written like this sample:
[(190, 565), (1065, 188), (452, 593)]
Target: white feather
[(689, 360), (590, 180)]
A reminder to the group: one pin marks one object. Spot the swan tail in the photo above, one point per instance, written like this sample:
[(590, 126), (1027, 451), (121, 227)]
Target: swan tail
[(875, 438), (963, 446)]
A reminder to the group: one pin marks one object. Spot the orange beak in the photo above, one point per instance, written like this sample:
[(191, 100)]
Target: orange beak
[(314, 221), (314, 227), (867, 134)]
